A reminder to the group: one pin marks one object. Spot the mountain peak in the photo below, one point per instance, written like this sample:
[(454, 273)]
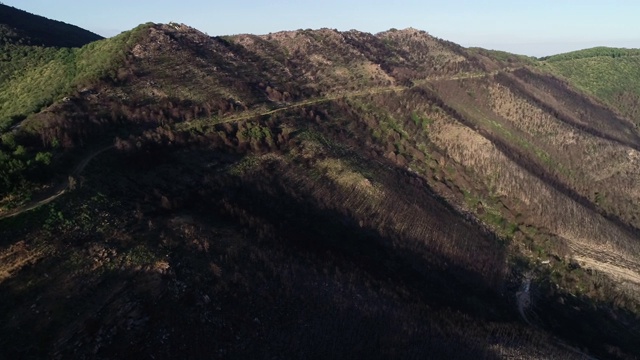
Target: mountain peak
[(405, 31)]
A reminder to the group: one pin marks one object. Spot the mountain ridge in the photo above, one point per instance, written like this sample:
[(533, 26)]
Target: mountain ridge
[(29, 29), (395, 168)]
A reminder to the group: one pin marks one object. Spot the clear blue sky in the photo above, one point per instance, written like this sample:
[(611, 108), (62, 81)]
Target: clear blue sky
[(531, 27)]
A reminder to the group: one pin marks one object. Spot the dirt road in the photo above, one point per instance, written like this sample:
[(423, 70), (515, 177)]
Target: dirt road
[(56, 191), (608, 261)]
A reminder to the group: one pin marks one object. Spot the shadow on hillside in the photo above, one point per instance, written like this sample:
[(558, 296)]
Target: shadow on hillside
[(426, 285), (277, 274), (606, 329), (318, 286)]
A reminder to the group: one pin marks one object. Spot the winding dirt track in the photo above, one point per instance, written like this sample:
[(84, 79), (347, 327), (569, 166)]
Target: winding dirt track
[(332, 97), (250, 114), (613, 264), (58, 190), (608, 261)]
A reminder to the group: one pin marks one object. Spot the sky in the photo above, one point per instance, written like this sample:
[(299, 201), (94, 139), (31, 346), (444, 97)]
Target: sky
[(532, 27)]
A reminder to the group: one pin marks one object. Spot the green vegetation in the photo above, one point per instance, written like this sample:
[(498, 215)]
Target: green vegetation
[(600, 51), (611, 75), (604, 77), (421, 121), (17, 169), (257, 133), (33, 77)]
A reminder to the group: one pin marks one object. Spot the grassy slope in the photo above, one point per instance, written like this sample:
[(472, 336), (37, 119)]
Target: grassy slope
[(33, 77), (611, 75), (36, 62)]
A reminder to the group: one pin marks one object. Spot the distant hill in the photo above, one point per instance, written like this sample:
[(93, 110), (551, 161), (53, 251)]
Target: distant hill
[(612, 75), (20, 27), (33, 77), (599, 51)]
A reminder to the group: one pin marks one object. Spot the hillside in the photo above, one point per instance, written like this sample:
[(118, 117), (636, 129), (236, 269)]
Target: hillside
[(312, 193), (22, 28), (611, 75)]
